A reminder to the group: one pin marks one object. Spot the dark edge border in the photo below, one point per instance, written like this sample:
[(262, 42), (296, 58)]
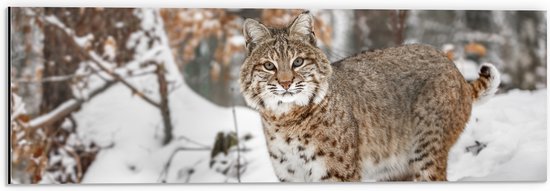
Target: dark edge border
[(8, 88)]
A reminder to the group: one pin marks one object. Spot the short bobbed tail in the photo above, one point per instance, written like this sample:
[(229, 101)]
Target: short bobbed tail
[(487, 84)]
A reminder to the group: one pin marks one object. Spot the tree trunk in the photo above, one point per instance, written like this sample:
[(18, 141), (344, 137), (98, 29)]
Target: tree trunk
[(164, 107)]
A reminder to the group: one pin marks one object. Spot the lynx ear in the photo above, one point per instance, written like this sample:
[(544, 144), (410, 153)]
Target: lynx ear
[(254, 32), (302, 27)]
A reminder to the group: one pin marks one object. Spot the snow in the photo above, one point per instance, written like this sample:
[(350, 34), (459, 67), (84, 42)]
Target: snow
[(513, 126), (105, 64), (468, 68), (135, 131), (18, 106), (237, 40), (83, 41), (55, 21), (198, 16), (109, 48), (119, 24), (136, 41)]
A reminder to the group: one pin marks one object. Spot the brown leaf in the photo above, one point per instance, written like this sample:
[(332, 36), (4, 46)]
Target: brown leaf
[(38, 152), (24, 118)]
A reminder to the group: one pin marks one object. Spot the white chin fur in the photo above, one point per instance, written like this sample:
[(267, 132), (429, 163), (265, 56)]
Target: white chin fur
[(282, 104), (288, 98)]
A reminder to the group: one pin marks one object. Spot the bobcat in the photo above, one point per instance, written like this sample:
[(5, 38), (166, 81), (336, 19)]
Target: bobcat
[(383, 115)]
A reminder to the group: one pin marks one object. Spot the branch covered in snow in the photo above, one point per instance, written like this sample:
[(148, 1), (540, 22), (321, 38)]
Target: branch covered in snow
[(73, 76), (64, 109), (102, 64), (82, 42)]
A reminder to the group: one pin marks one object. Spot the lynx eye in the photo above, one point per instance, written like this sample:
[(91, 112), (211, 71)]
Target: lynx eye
[(269, 66), (297, 62)]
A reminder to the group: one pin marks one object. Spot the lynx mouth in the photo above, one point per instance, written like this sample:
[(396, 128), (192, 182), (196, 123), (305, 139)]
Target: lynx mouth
[(287, 92)]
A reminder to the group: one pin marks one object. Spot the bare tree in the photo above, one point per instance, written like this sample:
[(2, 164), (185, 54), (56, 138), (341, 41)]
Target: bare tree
[(164, 107), (398, 18)]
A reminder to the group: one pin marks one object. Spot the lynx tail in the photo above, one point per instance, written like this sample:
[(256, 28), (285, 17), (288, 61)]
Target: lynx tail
[(487, 84)]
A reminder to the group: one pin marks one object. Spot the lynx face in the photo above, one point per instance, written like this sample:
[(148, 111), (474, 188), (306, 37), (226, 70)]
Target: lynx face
[(284, 68)]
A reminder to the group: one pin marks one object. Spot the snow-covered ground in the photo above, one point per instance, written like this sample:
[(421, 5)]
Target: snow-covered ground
[(133, 128), (512, 125), (513, 128)]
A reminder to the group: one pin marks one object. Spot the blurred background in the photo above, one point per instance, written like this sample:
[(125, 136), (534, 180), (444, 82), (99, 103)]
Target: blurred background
[(52, 79)]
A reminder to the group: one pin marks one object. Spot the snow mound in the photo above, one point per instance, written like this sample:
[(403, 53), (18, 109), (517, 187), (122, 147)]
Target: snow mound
[(130, 131), (513, 127)]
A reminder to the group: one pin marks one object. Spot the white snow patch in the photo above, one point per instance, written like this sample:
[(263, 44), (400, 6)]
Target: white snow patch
[(119, 24), (513, 126), (83, 41), (468, 68), (18, 107), (237, 40)]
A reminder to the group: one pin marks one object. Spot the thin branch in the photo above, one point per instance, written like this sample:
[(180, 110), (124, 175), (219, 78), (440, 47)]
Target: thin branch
[(64, 109), (192, 141), (164, 172), (52, 79), (238, 141), (100, 63), (78, 164), (71, 77), (97, 60), (177, 87)]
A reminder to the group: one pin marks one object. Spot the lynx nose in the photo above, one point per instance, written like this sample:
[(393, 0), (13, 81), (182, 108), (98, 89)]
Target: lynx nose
[(286, 84), (285, 78)]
